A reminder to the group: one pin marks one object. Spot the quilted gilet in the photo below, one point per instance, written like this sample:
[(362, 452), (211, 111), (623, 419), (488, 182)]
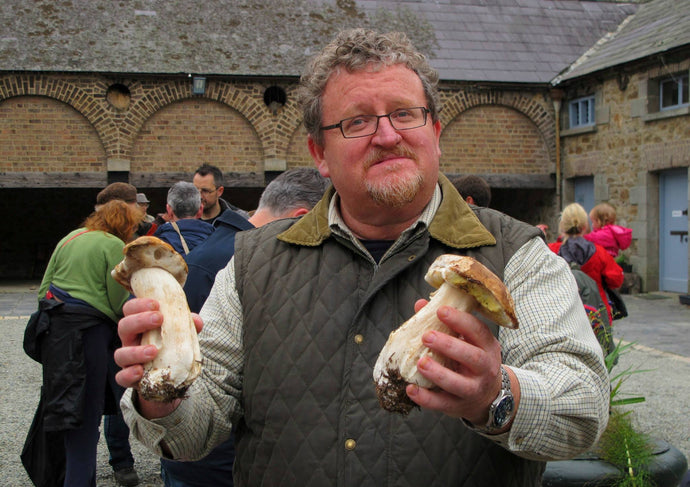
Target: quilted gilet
[(317, 312)]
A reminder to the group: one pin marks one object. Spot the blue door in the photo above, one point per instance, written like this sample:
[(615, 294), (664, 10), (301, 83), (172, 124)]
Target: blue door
[(673, 230), (583, 188), (584, 192)]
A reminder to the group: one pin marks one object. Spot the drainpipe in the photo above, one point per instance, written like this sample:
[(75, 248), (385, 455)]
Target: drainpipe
[(556, 97)]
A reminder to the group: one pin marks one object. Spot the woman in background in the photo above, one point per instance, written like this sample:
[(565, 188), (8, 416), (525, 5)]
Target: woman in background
[(590, 258), (83, 322)]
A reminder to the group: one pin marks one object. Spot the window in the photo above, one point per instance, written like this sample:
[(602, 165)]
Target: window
[(673, 92), (666, 96), (581, 112)]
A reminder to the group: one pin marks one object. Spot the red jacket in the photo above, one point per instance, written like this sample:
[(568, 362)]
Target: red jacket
[(594, 261)]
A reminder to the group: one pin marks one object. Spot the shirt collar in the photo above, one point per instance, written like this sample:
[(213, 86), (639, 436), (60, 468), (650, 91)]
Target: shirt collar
[(338, 226)]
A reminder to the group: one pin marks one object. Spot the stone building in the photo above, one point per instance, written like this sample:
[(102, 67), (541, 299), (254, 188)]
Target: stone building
[(93, 92), (631, 143)]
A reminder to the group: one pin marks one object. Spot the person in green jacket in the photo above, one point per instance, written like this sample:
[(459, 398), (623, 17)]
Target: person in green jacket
[(78, 275)]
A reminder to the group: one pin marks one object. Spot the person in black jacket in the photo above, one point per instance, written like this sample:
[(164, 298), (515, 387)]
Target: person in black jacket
[(209, 181)]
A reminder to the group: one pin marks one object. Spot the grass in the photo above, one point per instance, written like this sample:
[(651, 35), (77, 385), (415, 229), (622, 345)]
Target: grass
[(628, 449), (622, 444)]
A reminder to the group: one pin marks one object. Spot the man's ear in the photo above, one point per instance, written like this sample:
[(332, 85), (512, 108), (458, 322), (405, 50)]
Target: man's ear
[(317, 153), (298, 212), (200, 212), (169, 212), (219, 190), (470, 200)]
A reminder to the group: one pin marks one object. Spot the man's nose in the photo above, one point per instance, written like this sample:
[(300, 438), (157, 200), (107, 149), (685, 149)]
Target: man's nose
[(386, 133)]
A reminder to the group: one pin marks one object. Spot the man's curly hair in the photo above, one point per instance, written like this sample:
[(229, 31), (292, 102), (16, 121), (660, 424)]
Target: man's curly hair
[(355, 50)]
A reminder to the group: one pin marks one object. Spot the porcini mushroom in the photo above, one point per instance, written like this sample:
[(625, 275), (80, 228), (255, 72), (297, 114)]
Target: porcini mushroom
[(151, 268), (461, 282)]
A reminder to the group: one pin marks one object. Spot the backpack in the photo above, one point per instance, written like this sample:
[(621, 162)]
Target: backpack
[(595, 309)]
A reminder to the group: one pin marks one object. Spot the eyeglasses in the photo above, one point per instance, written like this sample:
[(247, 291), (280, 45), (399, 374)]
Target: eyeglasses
[(364, 125), (208, 191)]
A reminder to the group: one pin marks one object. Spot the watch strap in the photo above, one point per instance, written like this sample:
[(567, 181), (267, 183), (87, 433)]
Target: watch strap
[(505, 380)]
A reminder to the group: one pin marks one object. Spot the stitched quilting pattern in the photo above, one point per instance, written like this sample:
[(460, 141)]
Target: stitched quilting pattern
[(311, 324)]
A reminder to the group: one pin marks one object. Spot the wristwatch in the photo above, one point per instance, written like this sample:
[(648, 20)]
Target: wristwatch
[(500, 410)]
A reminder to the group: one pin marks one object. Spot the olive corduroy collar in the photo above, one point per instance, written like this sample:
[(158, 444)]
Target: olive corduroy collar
[(454, 224)]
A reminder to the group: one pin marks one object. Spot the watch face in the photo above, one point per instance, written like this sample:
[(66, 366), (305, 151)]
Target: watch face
[(503, 411)]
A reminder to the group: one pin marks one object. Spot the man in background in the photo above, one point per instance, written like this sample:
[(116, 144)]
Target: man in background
[(209, 181), (292, 194), (474, 189), (143, 203), (183, 229)]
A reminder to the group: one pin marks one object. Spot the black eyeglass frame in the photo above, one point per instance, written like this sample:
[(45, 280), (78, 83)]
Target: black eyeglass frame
[(339, 125)]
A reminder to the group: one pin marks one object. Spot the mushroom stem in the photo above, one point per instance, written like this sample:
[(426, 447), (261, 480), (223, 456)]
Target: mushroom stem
[(409, 335), (178, 361)]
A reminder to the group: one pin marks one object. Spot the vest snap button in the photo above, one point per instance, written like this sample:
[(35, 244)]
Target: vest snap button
[(411, 258), (350, 444), (359, 339)]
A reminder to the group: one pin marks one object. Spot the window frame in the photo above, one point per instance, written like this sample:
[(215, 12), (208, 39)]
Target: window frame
[(680, 84), (576, 108)]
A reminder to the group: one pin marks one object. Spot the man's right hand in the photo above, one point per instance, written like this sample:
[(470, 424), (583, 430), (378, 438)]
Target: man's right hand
[(141, 315)]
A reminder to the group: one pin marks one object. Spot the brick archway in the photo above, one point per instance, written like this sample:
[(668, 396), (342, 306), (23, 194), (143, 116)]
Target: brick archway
[(44, 138), (461, 101), (181, 135), (247, 99), (494, 140), (297, 151), (73, 94)]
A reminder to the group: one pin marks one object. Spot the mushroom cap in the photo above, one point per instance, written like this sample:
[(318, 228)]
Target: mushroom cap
[(469, 275), (146, 252)]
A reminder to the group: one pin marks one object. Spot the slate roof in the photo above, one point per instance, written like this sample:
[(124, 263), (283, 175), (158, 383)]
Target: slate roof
[(522, 41), (657, 27)]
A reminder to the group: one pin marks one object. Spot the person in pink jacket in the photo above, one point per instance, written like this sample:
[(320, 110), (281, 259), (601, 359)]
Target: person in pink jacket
[(605, 232)]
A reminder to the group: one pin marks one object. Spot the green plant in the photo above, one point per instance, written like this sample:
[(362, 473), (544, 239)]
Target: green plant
[(621, 444), (617, 380), (626, 448)]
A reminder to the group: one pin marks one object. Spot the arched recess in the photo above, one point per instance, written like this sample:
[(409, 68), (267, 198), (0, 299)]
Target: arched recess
[(182, 135), (50, 142), (492, 139), (535, 107), (245, 99), (66, 91)]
